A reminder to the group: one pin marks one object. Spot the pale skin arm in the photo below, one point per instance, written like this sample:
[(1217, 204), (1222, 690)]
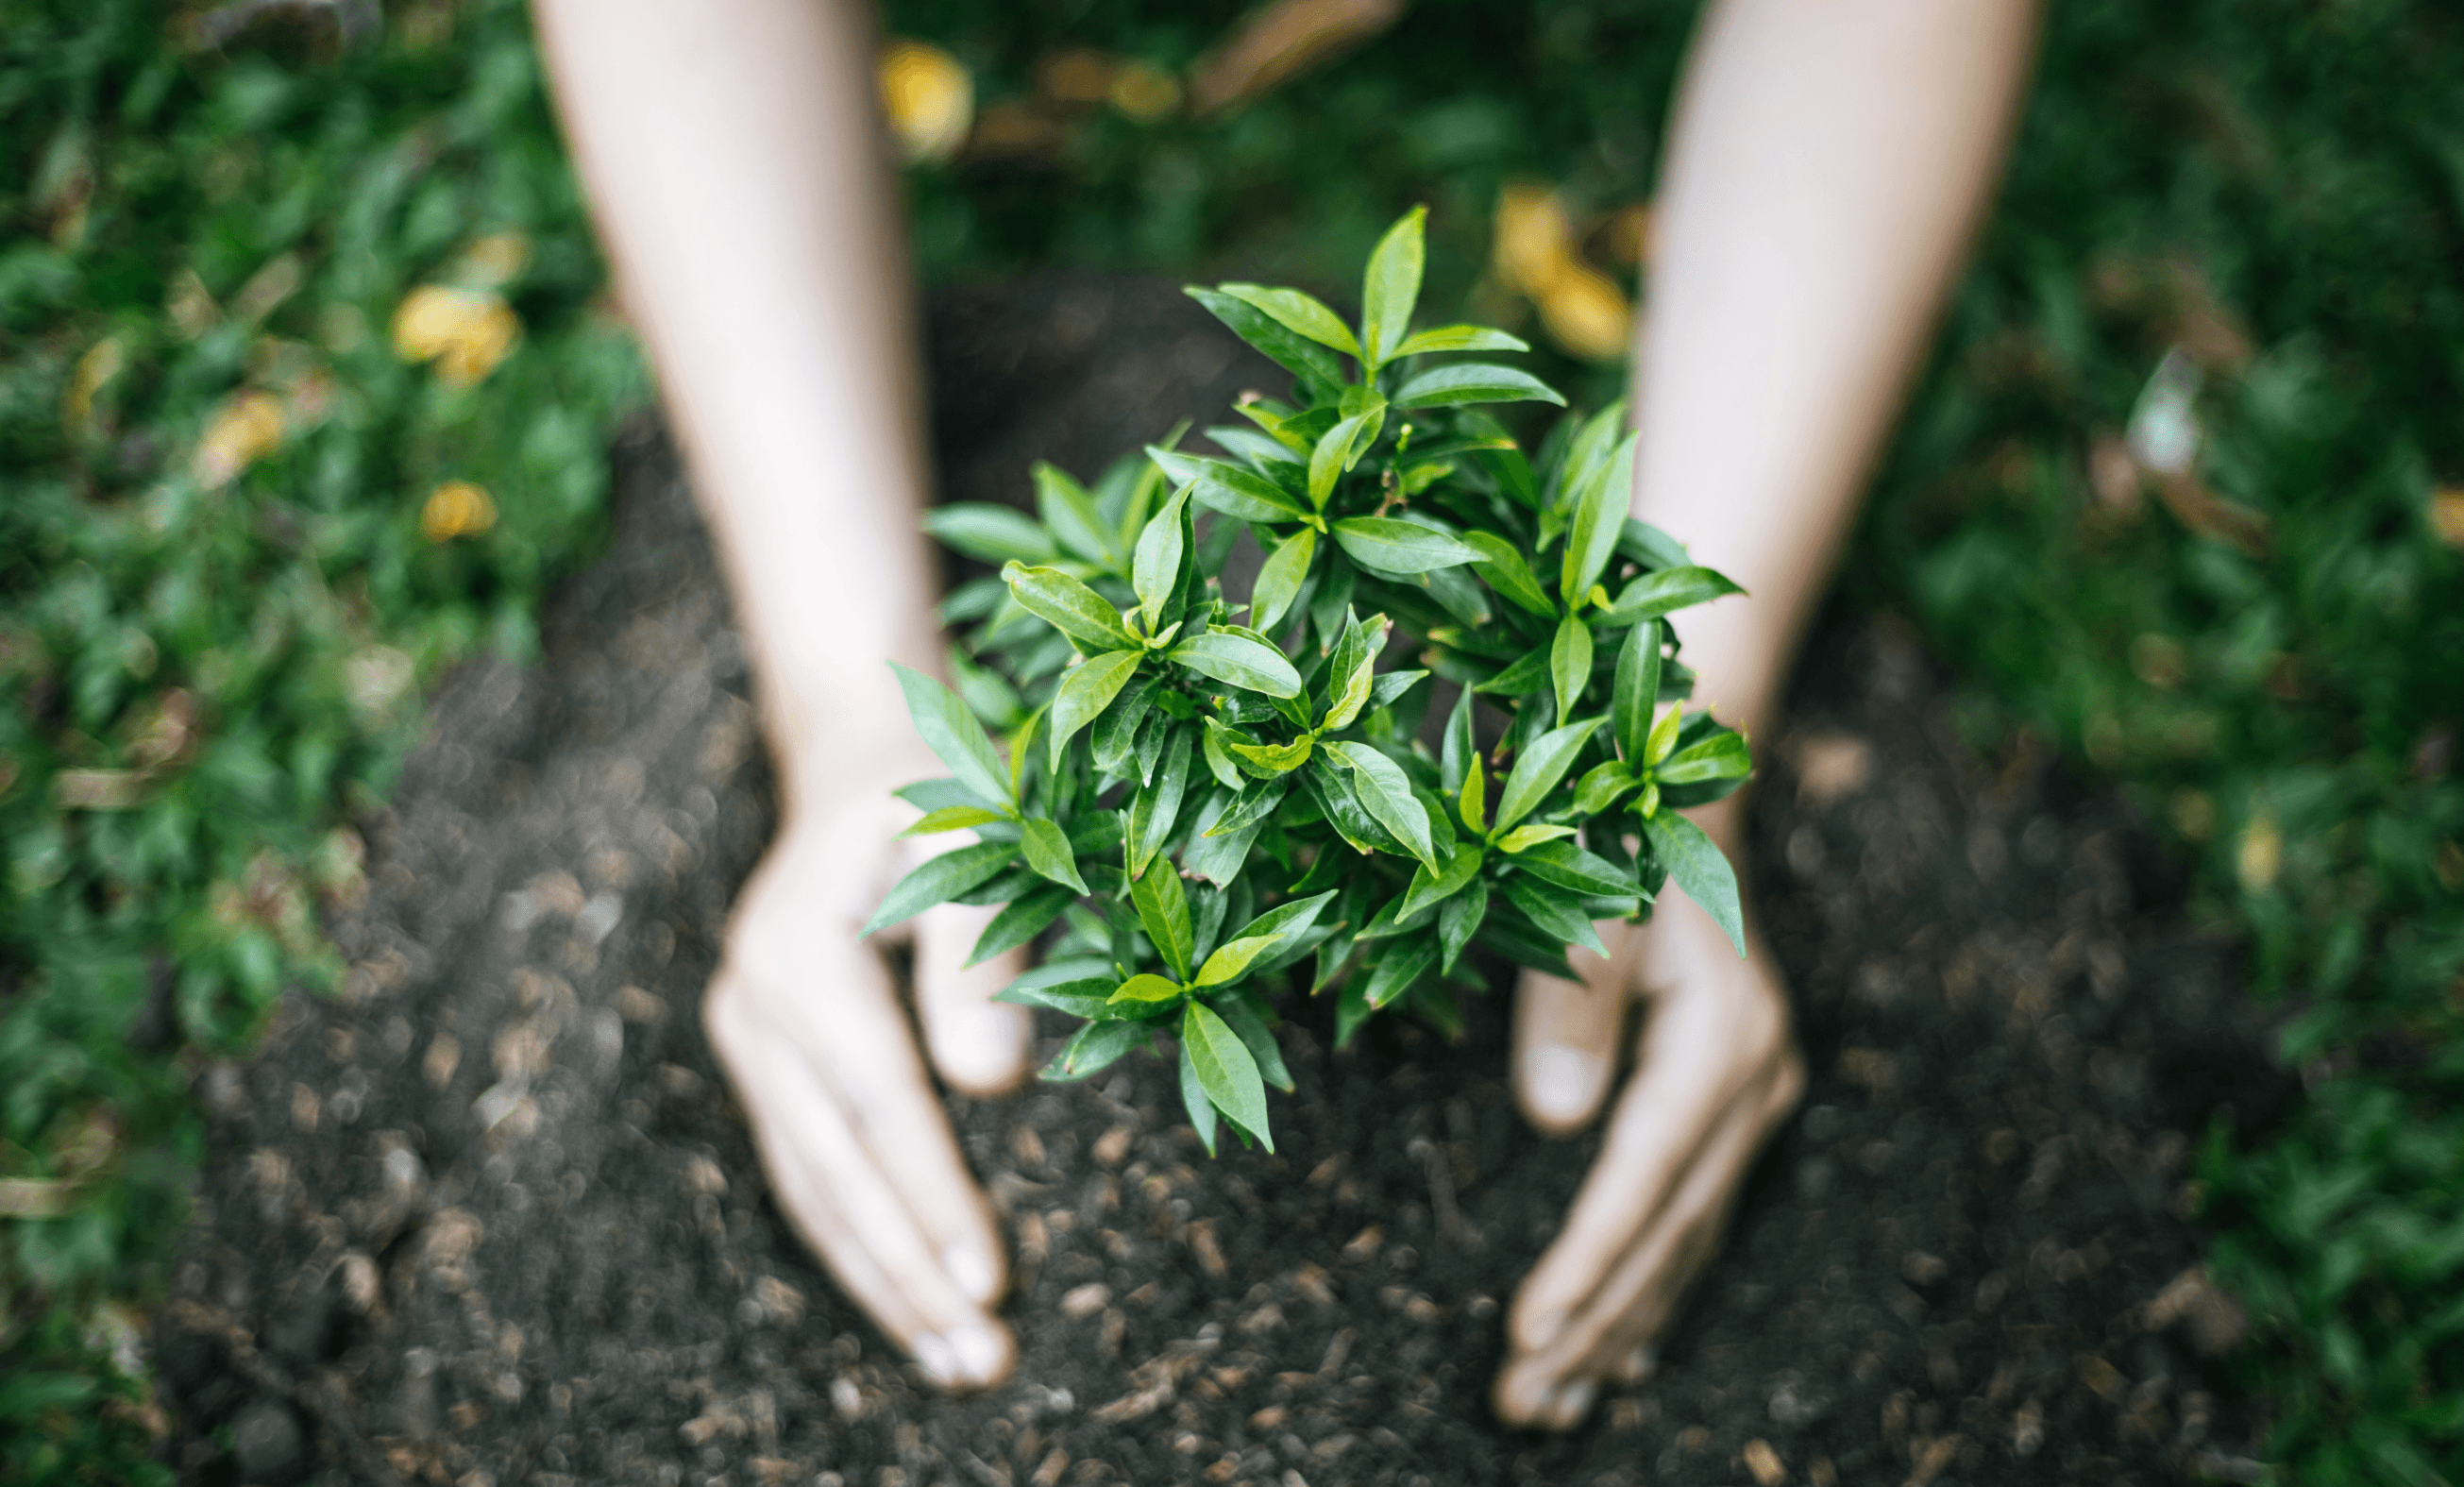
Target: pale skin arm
[(1828, 164), (737, 176)]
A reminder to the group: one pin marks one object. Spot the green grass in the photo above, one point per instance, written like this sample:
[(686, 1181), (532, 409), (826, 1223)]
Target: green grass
[(230, 668), (2287, 174)]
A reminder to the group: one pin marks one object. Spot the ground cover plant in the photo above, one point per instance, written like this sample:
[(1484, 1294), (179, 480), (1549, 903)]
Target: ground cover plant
[(303, 398), (1259, 752)]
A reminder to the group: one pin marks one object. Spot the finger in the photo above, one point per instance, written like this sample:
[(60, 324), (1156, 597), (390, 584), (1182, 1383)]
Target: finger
[(1553, 1388), (979, 1045), (1680, 1088), (869, 1054), (842, 1203), (1565, 1038)]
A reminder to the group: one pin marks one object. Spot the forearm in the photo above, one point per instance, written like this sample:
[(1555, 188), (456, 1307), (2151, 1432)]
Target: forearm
[(730, 153), (1828, 163)]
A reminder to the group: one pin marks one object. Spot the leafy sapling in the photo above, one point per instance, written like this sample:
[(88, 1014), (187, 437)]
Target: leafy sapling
[(1201, 801)]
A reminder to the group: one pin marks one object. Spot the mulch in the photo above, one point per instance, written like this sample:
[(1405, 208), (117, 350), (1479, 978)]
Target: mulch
[(489, 1215)]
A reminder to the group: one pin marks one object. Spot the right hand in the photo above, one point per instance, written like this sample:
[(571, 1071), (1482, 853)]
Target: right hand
[(810, 1027)]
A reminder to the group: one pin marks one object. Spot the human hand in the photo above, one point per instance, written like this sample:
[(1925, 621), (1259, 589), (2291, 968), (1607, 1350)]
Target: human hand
[(1716, 1070), (809, 1029)]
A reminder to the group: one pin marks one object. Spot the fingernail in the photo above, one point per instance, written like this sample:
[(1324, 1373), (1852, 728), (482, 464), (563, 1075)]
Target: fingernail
[(972, 1273), (935, 1356), (979, 1352), (1560, 1082), (1571, 1401)]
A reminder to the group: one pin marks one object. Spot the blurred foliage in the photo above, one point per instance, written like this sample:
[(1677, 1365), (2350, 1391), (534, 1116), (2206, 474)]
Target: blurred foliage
[(2260, 641), (218, 605)]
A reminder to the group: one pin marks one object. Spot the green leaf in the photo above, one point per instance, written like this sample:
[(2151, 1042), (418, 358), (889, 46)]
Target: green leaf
[(953, 818), (1070, 607), (1231, 960), (1570, 867), (1391, 547), (951, 731), (1428, 888), (1559, 915), (1193, 1098), (1257, 1037), (1723, 756), (1522, 678), (1022, 745), (1089, 689), (1524, 837), (1046, 848), (1155, 808), (1275, 758), (1698, 867), (1473, 382), (1459, 919), (1538, 769), (1669, 590), (1304, 314), (1473, 802), (1649, 548), (1279, 579), (1638, 689), (1097, 1047), (1239, 661), (1113, 739), (939, 880), (1253, 805), (1459, 750), (1388, 685), (1156, 569), (1218, 763), (1224, 486), (1385, 792), (1019, 920), (1501, 563), (1164, 909), (990, 533), (1604, 787), (1570, 664), (1392, 286), (1146, 988), (1663, 734), (1352, 1009), (1353, 670), (1459, 338), (1071, 514), (1392, 974), (1295, 354), (1285, 919), (1225, 1070), (1340, 449), (1599, 517)]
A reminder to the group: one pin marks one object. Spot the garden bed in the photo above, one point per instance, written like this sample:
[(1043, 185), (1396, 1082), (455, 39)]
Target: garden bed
[(491, 1209)]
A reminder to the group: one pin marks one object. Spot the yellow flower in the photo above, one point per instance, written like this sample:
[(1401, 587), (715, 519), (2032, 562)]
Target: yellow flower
[(929, 96), (246, 428), (466, 332), (97, 368), (456, 508), (1533, 254)]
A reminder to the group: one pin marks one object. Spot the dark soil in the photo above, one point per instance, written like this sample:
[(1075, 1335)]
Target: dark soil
[(490, 1214)]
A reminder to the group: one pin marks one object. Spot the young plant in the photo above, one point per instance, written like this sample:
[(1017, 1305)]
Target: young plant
[(1214, 799)]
